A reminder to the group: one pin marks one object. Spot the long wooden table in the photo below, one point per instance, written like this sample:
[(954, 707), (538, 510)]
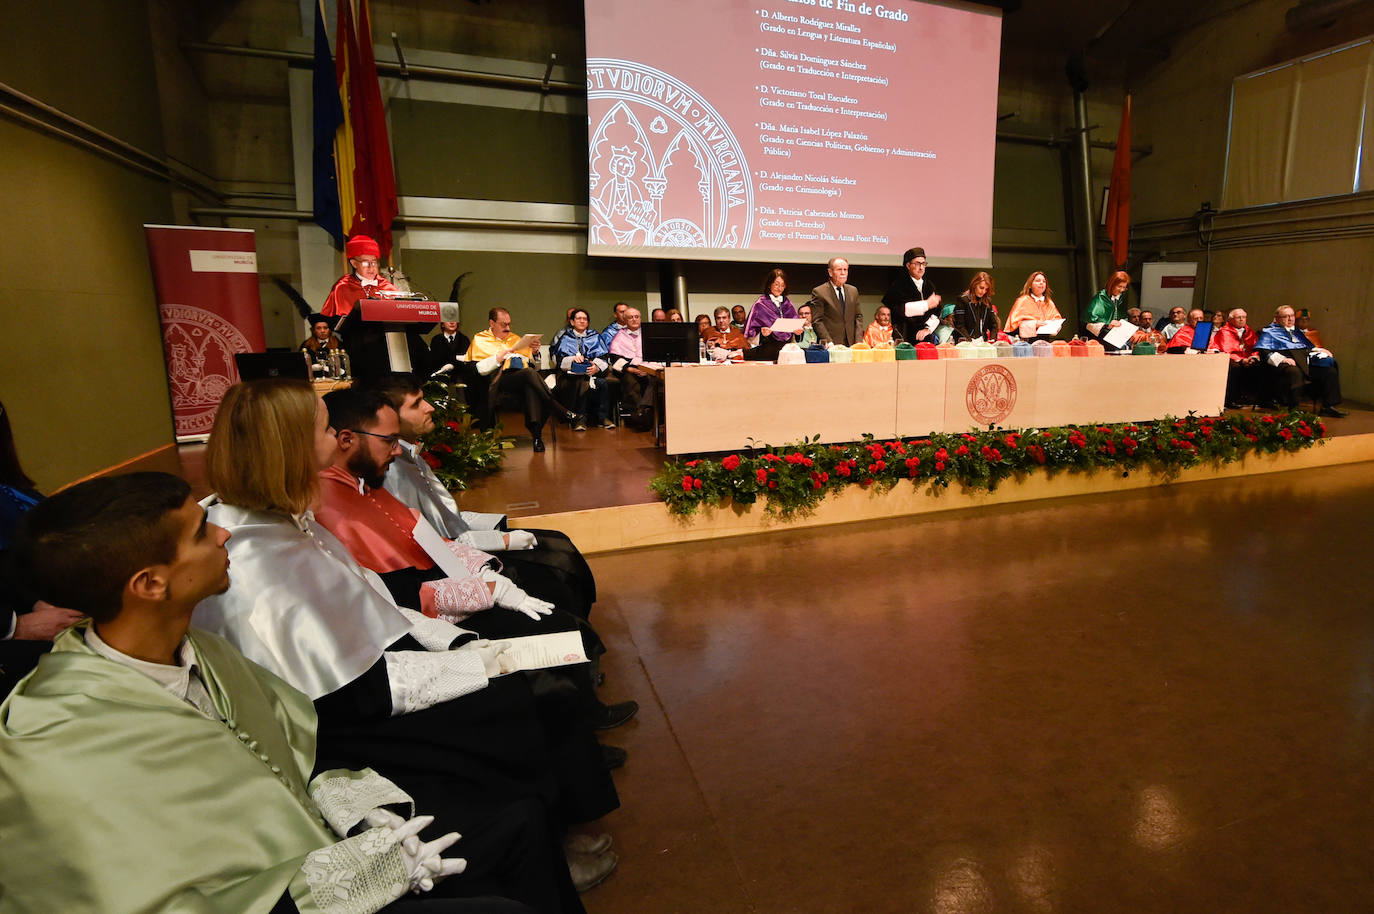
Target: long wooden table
[(730, 406)]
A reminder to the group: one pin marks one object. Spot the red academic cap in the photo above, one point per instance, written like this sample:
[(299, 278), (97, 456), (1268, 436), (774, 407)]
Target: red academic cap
[(360, 245)]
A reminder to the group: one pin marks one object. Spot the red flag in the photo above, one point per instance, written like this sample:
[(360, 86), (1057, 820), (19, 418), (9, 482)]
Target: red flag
[(370, 129), (354, 200), (1119, 194)]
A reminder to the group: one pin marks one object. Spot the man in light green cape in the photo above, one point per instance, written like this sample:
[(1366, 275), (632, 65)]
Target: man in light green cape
[(145, 767)]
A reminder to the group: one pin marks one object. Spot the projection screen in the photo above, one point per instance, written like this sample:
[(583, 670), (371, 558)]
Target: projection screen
[(791, 129)]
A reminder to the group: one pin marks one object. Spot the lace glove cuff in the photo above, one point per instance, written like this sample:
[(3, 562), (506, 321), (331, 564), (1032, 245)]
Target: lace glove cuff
[(485, 540), (454, 599), (346, 797), (422, 679), (433, 634), (358, 875)]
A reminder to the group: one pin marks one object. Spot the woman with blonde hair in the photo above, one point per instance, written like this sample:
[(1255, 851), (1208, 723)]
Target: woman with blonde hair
[(1032, 308), (975, 316), (420, 699)]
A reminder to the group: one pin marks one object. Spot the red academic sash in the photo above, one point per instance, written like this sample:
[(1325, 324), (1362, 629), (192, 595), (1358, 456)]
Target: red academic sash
[(206, 280)]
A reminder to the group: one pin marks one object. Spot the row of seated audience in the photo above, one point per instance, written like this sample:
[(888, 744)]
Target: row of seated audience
[(300, 615), (594, 370)]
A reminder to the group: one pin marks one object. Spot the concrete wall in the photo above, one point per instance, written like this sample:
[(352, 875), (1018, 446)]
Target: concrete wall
[(1314, 255), (81, 368)]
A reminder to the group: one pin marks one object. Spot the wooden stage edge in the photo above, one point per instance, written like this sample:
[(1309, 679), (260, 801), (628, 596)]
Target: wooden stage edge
[(624, 527)]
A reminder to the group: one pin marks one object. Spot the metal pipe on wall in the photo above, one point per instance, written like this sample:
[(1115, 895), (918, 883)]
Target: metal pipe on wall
[(1080, 113)]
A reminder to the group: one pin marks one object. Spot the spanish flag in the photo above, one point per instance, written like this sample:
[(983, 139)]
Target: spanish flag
[(363, 178)]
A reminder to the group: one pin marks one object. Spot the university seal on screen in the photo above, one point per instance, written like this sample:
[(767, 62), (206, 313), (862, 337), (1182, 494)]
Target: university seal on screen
[(665, 170), (991, 394)]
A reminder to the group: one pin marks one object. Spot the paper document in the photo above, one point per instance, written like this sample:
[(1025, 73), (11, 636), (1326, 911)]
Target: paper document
[(538, 652), (1050, 328), (1119, 336), (529, 341), (428, 539), (619, 364), (933, 322), (916, 308), (787, 325)]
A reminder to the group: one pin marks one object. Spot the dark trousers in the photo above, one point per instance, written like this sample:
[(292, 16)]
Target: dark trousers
[(638, 391), (1242, 382), (1289, 381), (576, 393), (528, 386)]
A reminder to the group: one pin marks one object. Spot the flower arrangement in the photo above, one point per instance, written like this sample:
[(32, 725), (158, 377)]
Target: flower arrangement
[(793, 480), (457, 450)]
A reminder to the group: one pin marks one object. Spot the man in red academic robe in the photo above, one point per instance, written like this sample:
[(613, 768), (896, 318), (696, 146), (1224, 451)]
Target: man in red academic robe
[(362, 281), (1238, 342), (376, 527)]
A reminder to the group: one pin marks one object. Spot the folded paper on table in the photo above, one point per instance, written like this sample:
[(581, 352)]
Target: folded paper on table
[(539, 652)]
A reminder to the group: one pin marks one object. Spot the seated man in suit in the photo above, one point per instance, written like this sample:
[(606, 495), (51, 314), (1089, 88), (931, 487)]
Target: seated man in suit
[(912, 287), (1292, 361), (449, 345), (1182, 339), (836, 315)]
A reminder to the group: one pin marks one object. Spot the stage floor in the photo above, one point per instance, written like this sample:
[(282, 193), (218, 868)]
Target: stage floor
[(1093, 704)]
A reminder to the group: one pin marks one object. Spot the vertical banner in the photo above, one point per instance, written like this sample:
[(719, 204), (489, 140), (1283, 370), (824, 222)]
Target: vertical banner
[(206, 281)]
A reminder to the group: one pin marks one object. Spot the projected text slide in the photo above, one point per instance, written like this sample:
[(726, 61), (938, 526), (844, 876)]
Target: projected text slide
[(791, 129)]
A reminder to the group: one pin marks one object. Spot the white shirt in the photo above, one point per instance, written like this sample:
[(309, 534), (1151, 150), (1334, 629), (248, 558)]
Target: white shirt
[(181, 681)]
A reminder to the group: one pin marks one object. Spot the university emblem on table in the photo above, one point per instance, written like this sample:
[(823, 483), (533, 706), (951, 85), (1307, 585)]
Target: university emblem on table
[(991, 394), (199, 346), (665, 169)]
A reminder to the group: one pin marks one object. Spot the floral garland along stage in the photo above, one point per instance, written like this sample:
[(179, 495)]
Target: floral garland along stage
[(793, 480)]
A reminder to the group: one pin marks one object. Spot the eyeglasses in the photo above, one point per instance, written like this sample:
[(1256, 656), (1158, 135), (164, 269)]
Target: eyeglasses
[(365, 261), (391, 440)]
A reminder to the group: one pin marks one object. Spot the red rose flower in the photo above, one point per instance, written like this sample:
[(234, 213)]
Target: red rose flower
[(696, 484), (961, 450), (731, 463), (434, 462), (761, 474), (686, 483), (772, 483)]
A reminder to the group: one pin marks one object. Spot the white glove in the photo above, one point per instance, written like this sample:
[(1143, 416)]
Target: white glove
[(520, 539), (423, 862), (495, 660), (508, 596)]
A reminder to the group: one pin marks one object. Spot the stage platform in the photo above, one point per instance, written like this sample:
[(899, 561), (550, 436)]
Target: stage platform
[(593, 485)]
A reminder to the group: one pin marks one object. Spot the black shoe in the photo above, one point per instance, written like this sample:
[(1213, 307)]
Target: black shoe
[(613, 756), (1333, 412), (569, 416), (607, 716), (579, 424), (538, 445)]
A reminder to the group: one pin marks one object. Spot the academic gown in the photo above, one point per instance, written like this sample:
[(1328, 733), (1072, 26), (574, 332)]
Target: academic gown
[(374, 526), (201, 824), (299, 605), (412, 480)]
